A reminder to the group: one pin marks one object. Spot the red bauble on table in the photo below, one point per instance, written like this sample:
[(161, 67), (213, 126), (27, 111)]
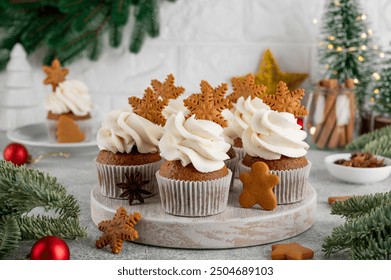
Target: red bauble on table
[(50, 248), (300, 122), (16, 153)]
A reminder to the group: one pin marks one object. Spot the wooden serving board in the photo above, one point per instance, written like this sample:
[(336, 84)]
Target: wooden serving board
[(233, 228)]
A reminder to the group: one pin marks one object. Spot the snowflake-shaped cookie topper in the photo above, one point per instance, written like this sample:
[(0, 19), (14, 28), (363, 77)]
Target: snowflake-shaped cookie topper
[(208, 104), (118, 230), (258, 187), (55, 74), (167, 90), (286, 101), (149, 107), (245, 86)]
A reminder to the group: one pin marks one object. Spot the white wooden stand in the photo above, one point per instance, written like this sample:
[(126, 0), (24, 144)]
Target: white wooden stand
[(235, 227)]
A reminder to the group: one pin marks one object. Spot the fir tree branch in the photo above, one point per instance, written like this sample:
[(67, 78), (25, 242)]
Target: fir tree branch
[(359, 143), (10, 235), (371, 231), (36, 227), (359, 205)]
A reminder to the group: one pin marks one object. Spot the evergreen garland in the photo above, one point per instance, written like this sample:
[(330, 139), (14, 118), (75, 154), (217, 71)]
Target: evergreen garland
[(377, 142), (72, 28), (21, 191), (347, 50), (366, 234)]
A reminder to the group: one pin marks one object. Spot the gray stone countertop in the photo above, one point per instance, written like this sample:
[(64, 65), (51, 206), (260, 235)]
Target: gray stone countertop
[(78, 175)]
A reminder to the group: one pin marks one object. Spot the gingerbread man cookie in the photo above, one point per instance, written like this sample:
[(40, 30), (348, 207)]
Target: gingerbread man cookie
[(258, 187), (291, 251)]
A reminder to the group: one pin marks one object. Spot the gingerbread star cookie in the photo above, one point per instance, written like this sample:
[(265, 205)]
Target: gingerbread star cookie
[(55, 74), (149, 107), (167, 89), (245, 87), (291, 251), (258, 187), (208, 104), (118, 230), (68, 131), (286, 101)]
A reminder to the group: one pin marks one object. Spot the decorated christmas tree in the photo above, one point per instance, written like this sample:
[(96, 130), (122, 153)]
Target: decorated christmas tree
[(19, 101), (346, 49), (382, 89), (73, 28)]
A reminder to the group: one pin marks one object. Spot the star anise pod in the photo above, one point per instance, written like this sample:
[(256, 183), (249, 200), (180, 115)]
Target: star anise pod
[(133, 187)]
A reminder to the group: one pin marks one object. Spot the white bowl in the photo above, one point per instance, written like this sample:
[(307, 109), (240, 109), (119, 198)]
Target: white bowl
[(357, 175)]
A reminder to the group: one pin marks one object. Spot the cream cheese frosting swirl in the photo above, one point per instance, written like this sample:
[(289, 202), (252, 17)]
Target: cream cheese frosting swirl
[(272, 134), (244, 110), (199, 142), (70, 96), (122, 130), (230, 132), (173, 107)]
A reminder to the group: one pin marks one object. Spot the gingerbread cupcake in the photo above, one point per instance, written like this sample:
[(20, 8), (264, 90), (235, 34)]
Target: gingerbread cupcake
[(275, 138), (69, 106), (193, 179), (128, 140), (245, 100)]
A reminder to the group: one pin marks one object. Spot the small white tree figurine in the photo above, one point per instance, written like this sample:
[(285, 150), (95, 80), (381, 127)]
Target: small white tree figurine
[(19, 102)]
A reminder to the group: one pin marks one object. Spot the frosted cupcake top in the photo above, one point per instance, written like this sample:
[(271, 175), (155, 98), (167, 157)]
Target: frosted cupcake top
[(244, 110), (173, 107), (195, 141), (272, 134), (123, 129), (69, 96)]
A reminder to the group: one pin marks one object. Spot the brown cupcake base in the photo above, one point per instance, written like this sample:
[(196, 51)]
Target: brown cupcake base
[(175, 170), (132, 158), (284, 163)]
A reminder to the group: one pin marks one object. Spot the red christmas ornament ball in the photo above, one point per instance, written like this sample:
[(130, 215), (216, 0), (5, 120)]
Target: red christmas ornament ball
[(16, 153), (300, 122), (50, 248)]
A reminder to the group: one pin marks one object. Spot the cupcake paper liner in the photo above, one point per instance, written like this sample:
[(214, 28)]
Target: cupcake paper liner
[(194, 198), (86, 126), (232, 165), (240, 153), (110, 175), (293, 183)]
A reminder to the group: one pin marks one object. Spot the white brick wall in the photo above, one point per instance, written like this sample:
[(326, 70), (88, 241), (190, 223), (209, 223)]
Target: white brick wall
[(212, 40)]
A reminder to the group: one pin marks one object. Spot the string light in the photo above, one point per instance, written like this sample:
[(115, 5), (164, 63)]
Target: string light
[(364, 35), (376, 91), (352, 49), (370, 32), (363, 48), (382, 55), (330, 46), (312, 130), (360, 58), (332, 38), (355, 81), (372, 100), (364, 17), (375, 47), (327, 66), (339, 49), (376, 76), (337, 3), (315, 21)]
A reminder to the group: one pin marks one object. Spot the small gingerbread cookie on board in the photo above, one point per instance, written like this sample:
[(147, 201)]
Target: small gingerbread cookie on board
[(258, 187), (291, 251)]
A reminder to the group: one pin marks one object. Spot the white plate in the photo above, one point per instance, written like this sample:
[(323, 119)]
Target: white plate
[(357, 175), (36, 135)]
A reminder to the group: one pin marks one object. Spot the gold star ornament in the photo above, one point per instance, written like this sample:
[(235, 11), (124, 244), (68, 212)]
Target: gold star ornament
[(269, 74)]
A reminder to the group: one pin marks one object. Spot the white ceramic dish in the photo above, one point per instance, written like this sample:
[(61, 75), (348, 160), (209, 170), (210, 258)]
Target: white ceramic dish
[(36, 135), (357, 175)]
